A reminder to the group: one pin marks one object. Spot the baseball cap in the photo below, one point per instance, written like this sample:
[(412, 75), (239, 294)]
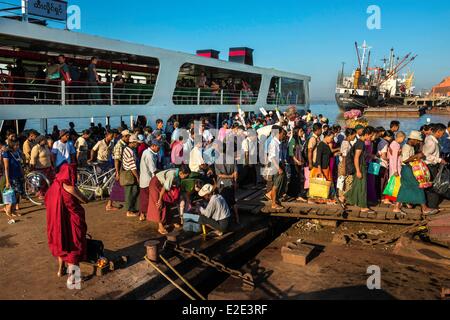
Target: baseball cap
[(126, 133), (206, 189), (359, 126)]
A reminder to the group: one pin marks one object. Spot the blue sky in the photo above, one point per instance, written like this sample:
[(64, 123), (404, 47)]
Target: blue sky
[(309, 37)]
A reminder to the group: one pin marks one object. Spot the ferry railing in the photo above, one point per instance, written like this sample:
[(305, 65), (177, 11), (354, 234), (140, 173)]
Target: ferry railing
[(287, 99), (45, 91), (208, 96)]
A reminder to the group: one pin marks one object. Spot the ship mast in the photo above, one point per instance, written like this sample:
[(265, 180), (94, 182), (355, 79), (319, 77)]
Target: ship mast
[(365, 49)]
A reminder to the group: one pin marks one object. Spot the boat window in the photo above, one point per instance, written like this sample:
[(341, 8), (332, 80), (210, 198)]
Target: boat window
[(200, 85), (286, 91), (46, 73)]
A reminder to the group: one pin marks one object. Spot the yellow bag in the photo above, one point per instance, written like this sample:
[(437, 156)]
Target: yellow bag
[(319, 187)]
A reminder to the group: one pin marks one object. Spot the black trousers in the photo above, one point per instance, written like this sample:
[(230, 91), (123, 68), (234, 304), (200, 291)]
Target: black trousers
[(296, 186), (433, 199), (221, 225)]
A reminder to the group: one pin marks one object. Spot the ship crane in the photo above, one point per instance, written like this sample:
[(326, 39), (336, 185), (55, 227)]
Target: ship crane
[(401, 65)]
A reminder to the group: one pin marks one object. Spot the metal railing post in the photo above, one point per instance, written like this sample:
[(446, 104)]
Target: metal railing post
[(198, 96), (63, 93), (221, 96), (25, 10), (111, 93)]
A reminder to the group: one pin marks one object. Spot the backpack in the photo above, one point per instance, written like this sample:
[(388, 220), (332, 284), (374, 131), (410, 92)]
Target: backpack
[(95, 249)]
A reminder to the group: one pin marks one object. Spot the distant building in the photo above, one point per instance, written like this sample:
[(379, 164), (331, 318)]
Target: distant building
[(442, 89)]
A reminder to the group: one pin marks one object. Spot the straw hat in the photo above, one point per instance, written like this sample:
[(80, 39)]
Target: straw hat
[(206, 189), (126, 133), (416, 135)]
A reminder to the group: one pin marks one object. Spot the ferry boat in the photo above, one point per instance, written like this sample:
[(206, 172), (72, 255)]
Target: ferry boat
[(158, 83)]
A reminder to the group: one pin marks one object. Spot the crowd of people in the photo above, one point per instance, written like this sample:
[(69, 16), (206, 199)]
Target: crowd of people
[(172, 174)]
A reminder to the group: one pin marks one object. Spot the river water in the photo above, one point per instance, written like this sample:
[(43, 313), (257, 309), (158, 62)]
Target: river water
[(329, 110)]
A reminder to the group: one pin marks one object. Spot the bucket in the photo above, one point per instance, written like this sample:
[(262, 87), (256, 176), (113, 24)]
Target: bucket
[(152, 249)]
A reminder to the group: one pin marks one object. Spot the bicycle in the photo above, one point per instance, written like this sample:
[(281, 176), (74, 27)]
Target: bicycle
[(93, 183), (35, 186)]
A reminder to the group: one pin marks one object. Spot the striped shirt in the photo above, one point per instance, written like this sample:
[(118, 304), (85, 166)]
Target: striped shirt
[(118, 149), (129, 159)]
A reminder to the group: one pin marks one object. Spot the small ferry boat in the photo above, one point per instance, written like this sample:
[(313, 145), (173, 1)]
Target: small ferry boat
[(136, 80)]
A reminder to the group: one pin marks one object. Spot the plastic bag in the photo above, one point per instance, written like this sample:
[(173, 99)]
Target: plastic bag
[(441, 184), (392, 188), (421, 173), (9, 196), (340, 183), (374, 168), (307, 174)]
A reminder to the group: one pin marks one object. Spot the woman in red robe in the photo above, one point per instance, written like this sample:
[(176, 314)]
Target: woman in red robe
[(66, 224)]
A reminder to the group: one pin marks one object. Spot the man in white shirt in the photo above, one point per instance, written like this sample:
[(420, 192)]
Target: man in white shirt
[(277, 171), (148, 168), (82, 148), (433, 160), (196, 161), (206, 135)]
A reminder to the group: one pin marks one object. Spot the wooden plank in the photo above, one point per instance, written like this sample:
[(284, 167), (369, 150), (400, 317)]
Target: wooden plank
[(348, 219)]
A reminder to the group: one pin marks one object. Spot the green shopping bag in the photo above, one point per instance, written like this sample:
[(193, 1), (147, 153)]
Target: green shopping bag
[(392, 188)]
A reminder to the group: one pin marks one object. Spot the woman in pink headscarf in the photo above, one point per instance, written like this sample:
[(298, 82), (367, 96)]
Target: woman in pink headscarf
[(66, 223)]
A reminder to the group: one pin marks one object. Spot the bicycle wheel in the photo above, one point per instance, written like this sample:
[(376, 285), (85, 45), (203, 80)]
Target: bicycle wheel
[(86, 183), (36, 184)]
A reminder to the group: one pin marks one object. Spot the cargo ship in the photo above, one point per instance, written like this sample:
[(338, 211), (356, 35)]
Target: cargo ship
[(374, 86)]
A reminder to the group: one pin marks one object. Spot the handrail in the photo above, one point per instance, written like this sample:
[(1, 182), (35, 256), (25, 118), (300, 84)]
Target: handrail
[(76, 92), (201, 96)]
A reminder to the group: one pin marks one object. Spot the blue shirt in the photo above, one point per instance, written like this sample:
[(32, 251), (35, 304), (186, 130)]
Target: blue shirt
[(14, 158), (62, 151), (445, 143)]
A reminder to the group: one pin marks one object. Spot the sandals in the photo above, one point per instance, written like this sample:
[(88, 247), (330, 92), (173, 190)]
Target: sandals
[(142, 217), (403, 213), (278, 207), (163, 232), (111, 209), (431, 212), (368, 211), (131, 215), (301, 199)]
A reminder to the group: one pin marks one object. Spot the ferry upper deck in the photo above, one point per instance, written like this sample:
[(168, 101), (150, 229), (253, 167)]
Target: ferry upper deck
[(135, 79)]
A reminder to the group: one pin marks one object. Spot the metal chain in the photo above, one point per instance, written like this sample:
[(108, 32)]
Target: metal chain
[(247, 278), (362, 237)]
